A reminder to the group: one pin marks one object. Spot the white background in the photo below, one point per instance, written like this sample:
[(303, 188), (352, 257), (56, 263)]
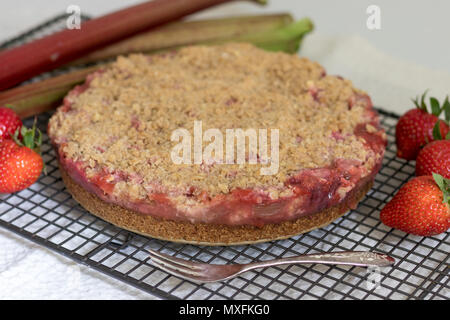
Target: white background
[(408, 55)]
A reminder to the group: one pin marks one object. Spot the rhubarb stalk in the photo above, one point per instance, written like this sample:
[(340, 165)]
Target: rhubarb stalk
[(184, 33), (37, 97), (21, 63), (40, 96), (286, 38)]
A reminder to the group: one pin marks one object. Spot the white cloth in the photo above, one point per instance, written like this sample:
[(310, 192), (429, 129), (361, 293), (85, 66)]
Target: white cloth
[(32, 272), (389, 81)]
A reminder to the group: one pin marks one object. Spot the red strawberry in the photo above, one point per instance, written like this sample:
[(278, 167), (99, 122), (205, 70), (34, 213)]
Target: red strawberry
[(9, 123), (415, 128), (20, 165), (420, 207), (434, 157)]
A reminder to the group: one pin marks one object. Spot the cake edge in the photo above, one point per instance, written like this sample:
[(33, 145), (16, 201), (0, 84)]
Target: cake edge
[(202, 233)]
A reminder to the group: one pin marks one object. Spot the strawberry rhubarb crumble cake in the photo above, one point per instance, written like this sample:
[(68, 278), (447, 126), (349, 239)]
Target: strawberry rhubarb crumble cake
[(112, 136)]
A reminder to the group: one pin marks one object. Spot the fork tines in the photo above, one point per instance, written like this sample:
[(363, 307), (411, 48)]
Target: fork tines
[(176, 266)]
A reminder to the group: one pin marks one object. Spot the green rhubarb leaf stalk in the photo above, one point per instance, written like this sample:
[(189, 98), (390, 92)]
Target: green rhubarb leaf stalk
[(444, 185), (287, 38)]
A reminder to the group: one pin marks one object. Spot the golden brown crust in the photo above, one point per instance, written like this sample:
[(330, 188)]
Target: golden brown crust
[(202, 233), (120, 124)]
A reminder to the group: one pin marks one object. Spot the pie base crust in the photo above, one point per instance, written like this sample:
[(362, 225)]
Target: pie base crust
[(207, 234)]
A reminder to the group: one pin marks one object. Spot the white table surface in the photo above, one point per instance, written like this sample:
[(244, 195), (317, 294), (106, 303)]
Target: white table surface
[(409, 54)]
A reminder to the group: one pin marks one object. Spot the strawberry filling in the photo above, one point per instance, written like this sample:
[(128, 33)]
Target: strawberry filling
[(313, 190)]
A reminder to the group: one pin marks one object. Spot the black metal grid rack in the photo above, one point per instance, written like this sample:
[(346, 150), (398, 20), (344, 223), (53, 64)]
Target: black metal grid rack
[(46, 214)]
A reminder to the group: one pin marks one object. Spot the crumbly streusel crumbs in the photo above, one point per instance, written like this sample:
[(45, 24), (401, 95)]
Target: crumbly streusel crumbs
[(124, 120)]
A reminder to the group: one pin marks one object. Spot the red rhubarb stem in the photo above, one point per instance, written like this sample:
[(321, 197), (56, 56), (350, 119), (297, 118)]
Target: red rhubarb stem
[(21, 63)]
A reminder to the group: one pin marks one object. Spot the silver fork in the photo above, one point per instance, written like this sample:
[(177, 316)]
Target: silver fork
[(204, 272)]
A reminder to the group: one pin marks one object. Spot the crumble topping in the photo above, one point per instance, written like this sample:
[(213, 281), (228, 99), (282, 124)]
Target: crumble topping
[(122, 123)]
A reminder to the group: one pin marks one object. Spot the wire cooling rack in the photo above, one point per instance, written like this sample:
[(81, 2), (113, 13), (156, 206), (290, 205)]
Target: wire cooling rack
[(46, 214)]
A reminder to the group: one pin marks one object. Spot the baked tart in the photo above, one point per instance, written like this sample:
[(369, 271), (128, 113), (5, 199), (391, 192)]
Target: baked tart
[(114, 138)]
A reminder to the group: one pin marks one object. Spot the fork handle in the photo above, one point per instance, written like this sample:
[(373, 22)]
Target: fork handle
[(353, 258)]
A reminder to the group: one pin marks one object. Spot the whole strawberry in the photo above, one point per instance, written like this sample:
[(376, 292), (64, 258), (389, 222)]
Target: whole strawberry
[(415, 128), (420, 207), (20, 165), (9, 123), (435, 157)]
